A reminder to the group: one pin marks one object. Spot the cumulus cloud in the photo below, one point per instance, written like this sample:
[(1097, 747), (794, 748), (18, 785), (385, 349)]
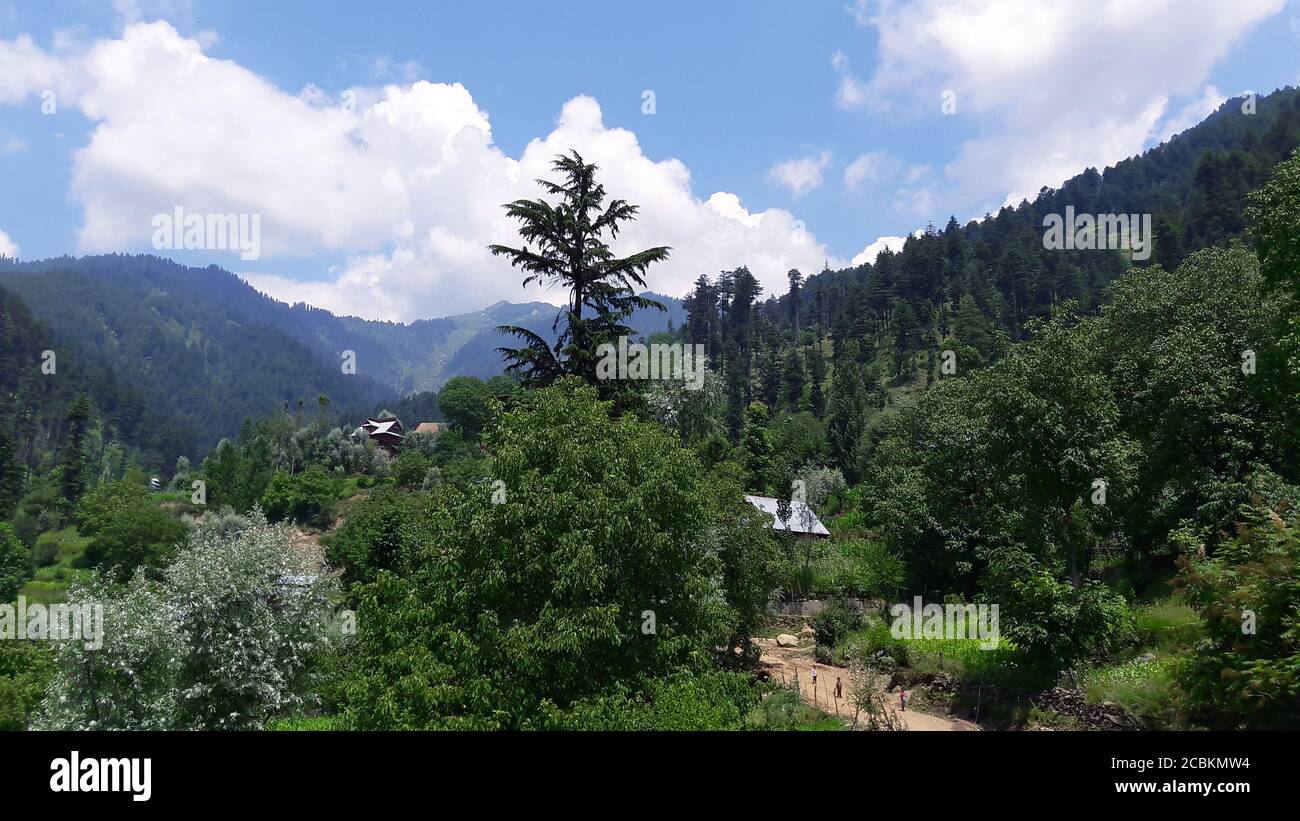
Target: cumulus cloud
[(868, 255), (800, 175), (402, 184), (1007, 61), (8, 248)]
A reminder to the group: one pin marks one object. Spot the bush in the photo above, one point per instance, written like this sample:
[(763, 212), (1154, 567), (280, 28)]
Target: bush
[(217, 643), (835, 622), (307, 498), (25, 669), (139, 534), (874, 571), (46, 551), (15, 564), (876, 639), (410, 468), (1057, 626), (512, 612), (709, 701), (1244, 674), (370, 539)]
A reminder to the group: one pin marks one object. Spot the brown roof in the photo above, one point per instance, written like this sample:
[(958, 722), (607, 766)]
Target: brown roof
[(428, 427)]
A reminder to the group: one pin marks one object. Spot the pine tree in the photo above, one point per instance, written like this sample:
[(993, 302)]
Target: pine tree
[(571, 251), (848, 412), (74, 456), (756, 443), (12, 473), (817, 375), (792, 379), (770, 379), (796, 286)]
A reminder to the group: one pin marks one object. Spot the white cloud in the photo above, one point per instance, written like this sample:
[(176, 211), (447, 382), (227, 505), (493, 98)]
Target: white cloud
[(11, 143), (8, 248), (870, 167), (800, 175), (133, 11), (387, 69), (404, 186), (1191, 114), (869, 254), (1011, 62), (852, 93)]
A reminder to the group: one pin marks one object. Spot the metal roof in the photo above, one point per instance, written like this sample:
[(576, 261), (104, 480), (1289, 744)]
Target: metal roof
[(802, 519)]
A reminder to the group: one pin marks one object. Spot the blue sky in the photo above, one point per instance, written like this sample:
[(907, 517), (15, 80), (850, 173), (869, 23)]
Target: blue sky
[(821, 125)]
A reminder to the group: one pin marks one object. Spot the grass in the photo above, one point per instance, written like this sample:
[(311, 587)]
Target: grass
[(1144, 683), (783, 709), (1143, 686), (304, 724), (1168, 624), (50, 584)]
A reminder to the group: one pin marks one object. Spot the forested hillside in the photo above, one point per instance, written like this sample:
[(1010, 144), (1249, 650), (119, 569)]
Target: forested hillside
[(193, 366), (1104, 447), (971, 288)]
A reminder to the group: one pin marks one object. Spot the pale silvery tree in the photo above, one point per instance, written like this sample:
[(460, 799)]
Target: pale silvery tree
[(694, 414), (225, 641), (820, 483), (127, 682)]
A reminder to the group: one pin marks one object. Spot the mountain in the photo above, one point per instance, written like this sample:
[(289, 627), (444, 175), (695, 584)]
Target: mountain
[(177, 370), (198, 350), (1193, 186)]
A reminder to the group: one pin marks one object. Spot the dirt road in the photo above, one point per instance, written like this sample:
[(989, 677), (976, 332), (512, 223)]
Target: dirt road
[(788, 663)]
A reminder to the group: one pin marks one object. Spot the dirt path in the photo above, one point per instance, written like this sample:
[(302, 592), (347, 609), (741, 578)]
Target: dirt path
[(788, 663)]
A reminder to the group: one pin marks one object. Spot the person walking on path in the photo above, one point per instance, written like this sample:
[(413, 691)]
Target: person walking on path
[(902, 699), (839, 688)]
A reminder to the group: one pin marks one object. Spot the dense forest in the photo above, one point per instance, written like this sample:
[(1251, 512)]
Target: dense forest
[(1103, 446)]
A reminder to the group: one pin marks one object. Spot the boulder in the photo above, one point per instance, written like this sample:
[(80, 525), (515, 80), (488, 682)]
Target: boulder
[(787, 640)]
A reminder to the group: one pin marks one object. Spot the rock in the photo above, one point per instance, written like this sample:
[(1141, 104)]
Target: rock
[(807, 630), (787, 640)]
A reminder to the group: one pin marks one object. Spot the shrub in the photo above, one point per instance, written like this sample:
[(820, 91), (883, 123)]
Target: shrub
[(370, 539), (410, 468), (46, 551), (1056, 625), (708, 701), (1245, 673), (138, 534), (876, 639), (511, 613), (835, 622), (217, 643), (307, 498), (25, 669), (15, 563)]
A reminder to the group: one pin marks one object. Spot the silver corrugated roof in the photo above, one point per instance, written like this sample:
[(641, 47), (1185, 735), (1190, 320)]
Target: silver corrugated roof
[(802, 519)]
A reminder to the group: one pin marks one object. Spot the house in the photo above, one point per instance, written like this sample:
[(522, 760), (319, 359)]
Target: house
[(802, 521), (386, 433), (432, 428)]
